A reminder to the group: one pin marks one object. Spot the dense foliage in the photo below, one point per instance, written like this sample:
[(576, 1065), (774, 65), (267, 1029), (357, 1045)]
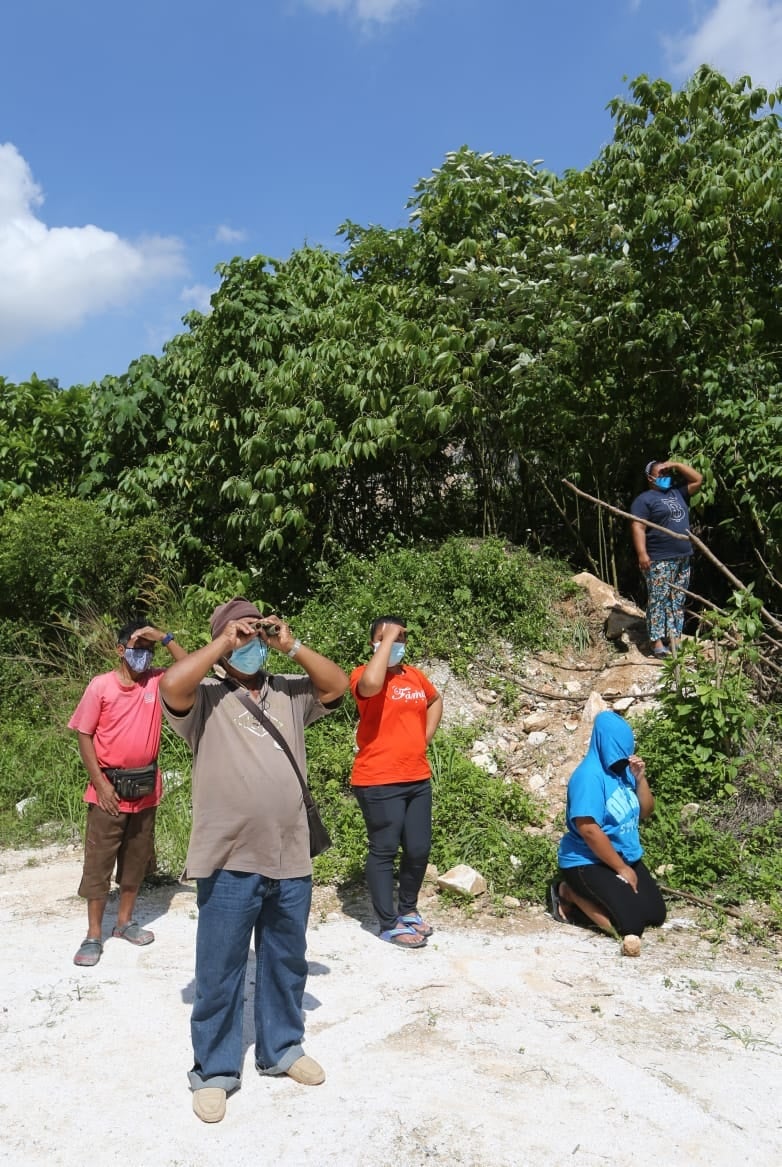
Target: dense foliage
[(435, 384), (444, 377)]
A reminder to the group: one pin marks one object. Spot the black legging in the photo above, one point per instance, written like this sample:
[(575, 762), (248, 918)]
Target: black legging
[(630, 912), (399, 813)]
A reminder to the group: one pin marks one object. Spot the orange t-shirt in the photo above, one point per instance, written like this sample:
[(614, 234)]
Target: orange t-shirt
[(391, 732)]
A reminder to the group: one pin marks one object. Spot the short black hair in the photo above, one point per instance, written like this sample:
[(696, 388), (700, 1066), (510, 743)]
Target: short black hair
[(127, 630), (380, 620)]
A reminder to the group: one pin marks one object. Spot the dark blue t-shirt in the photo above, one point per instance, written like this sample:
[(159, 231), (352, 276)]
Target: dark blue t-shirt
[(671, 509)]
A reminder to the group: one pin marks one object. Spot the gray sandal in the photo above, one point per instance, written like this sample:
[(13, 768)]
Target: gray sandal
[(134, 933), (89, 952)]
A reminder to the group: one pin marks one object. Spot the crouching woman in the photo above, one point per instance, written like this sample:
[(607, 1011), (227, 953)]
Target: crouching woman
[(602, 876)]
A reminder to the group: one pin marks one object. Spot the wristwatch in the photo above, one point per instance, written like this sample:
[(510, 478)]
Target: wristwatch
[(294, 648), (167, 639)]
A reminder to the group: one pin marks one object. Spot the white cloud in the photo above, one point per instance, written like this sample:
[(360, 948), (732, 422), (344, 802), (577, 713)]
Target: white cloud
[(197, 296), (53, 278), (366, 12), (736, 37), (226, 234)]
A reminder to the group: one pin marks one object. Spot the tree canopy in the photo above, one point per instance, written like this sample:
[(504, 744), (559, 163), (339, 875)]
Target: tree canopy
[(445, 377)]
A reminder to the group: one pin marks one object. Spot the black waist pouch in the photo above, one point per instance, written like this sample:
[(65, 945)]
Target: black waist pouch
[(131, 785)]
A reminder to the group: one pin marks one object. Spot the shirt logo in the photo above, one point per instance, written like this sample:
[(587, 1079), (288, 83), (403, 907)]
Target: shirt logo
[(405, 693), (246, 720), (623, 808), (674, 504)]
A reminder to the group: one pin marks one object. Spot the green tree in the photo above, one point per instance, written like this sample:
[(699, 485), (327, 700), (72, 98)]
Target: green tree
[(41, 436)]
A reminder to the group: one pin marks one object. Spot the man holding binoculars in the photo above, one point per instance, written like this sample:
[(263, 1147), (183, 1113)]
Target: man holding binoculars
[(250, 845)]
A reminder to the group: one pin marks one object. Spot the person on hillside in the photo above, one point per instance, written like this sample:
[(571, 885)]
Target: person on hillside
[(399, 710), (663, 559), (119, 722), (249, 845), (602, 875)]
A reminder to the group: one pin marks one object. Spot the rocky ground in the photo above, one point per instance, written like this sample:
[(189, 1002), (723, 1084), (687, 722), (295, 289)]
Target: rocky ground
[(536, 713)]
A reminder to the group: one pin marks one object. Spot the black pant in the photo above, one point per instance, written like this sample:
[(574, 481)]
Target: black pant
[(630, 912), (400, 813)]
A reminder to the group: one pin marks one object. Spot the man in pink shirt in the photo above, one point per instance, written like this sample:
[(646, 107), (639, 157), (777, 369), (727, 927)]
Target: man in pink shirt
[(119, 721)]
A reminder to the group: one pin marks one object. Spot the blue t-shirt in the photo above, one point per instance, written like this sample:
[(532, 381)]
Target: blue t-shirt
[(597, 792), (671, 509)]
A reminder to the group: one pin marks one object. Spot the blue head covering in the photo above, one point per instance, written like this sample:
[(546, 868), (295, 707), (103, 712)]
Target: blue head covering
[(612, 739), (605, 795)]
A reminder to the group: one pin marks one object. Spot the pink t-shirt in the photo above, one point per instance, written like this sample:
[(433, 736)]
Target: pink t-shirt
[(124, 722)]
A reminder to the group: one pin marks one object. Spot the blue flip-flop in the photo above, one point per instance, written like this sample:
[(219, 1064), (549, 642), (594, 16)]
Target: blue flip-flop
[(392, 936), (415, 921)]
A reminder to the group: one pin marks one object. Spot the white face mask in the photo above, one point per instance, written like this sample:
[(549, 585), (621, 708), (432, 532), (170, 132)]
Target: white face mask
[(397, 652), (138, 659)]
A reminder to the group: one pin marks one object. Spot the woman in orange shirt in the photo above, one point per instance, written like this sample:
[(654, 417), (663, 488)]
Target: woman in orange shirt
[(399, 710)]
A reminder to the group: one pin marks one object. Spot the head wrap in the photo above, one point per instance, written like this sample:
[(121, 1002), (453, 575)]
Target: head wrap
[(236, 609)]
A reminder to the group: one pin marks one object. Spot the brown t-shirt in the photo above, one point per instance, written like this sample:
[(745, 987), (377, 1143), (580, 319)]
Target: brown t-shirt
[(248, 810)]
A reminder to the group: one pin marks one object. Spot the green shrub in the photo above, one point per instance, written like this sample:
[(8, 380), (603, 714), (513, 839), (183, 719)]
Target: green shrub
[(59, 555), (40, 766), (458, 599), (480, 820)]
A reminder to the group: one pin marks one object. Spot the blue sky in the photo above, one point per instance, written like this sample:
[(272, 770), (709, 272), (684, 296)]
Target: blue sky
[(141, 144)]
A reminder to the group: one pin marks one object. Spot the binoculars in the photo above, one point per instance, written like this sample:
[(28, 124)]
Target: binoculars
[(269, 629)]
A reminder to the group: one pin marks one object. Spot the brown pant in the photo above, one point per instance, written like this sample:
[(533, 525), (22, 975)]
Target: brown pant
[(128, 839)]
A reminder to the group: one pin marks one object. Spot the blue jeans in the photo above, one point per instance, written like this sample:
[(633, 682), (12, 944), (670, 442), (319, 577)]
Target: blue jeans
[(232, 905), (398, 814)]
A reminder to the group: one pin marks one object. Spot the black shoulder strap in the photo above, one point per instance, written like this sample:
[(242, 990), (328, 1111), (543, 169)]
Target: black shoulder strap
[(260, 715)]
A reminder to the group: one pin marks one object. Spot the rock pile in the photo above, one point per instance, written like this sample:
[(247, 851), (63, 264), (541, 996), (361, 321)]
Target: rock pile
[(535, 713)]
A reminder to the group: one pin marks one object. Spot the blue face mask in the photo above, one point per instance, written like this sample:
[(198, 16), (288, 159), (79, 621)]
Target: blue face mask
[(397, 652), (138, 659), (250, 658), (664, 483)]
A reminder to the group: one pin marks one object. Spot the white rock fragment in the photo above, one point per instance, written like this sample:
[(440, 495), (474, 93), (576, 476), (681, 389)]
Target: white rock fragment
[(486, 696), (535, 720), (464, 880), (594, 705), (484, 762)]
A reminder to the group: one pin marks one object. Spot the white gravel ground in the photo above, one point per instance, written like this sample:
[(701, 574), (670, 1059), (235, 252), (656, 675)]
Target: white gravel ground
[(522, 1042)]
